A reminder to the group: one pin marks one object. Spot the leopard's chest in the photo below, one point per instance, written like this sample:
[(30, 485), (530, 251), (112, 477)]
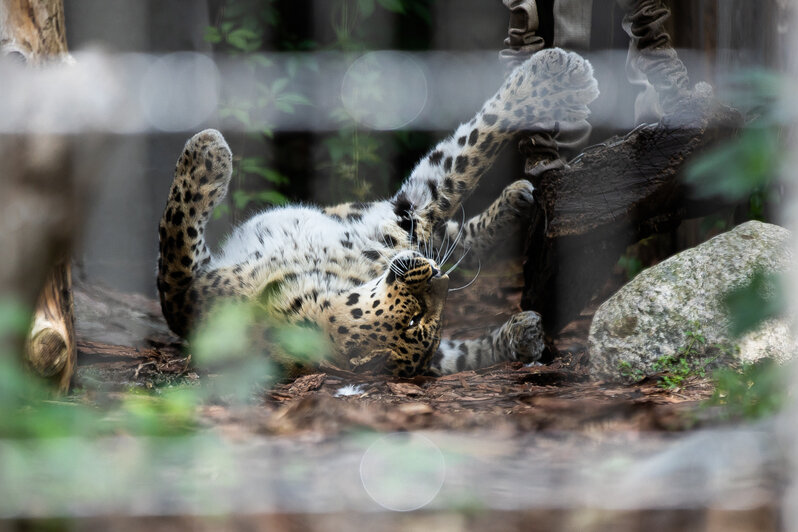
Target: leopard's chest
[(308, 253)]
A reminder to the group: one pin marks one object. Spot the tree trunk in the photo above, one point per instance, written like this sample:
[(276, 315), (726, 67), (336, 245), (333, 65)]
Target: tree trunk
[(37, 240)]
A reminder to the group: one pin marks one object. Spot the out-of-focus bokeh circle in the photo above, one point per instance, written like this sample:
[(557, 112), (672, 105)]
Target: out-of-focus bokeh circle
[(384, 90), (180, 91), (403, 471)]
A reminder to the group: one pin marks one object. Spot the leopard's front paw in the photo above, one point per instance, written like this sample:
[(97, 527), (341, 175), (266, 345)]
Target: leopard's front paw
[(520, 338), (520, 196)]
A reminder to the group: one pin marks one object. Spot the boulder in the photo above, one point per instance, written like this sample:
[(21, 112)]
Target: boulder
[(676, 308)]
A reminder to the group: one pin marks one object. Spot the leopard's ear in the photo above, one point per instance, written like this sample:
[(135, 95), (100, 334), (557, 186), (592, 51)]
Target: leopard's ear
[(375, 361)]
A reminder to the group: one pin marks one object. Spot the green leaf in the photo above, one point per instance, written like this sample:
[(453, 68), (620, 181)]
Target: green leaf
[(241, 198), (754, 391), (262, 60), (291, 66), (393, 5), (243, 39), (221, 210), (294, 98), (212, 35), (736, 169), (252, 162), (223, 334), (302, 343), (284, 107), (272, 197), (422, 11), (279, 85), (239, 114), (273, 176), (761, 299), (244, 33)]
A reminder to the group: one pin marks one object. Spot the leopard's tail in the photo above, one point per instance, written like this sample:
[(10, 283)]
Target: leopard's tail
[(201, 178), (550, 90)]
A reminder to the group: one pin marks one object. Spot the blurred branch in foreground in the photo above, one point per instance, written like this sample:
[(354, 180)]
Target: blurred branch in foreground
[(38, 219)]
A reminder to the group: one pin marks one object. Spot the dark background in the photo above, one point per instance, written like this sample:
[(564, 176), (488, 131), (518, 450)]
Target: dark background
[(119, 246)]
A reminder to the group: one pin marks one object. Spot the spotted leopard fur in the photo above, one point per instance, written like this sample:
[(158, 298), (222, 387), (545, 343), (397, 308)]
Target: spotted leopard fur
[(354, 270)]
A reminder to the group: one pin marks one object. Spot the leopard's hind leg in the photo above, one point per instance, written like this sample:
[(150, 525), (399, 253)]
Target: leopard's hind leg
[(200, 182), (519, 339)]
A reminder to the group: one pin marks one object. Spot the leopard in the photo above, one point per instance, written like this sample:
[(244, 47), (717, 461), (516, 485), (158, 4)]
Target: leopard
[(361, 274)]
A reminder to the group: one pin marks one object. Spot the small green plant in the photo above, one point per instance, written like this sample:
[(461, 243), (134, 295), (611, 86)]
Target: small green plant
[(675, 368), (752, 391), (630, 372), (690, 360)]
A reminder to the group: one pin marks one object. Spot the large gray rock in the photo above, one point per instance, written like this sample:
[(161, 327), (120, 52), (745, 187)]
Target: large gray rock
[(655, 314)]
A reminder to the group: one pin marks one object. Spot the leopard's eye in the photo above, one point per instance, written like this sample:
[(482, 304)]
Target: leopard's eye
[(414, 320)]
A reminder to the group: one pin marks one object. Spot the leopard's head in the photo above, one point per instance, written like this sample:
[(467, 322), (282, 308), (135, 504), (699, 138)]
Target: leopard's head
[(392, 323)]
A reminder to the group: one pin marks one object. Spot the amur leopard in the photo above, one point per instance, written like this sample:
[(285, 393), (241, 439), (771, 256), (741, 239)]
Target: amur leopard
[(358, 271)]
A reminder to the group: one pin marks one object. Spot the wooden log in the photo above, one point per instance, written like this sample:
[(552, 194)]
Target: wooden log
[(34, 30), (608, 198), (51, 349)]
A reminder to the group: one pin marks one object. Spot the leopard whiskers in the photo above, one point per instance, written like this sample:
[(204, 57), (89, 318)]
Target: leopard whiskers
[(384, 240), (444, 245), (451, 248), (456, 264), (394, 268), (389, 261), (479, 269), (429, 245)]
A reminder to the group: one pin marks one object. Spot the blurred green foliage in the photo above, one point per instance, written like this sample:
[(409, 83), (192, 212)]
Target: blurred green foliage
[(751, 391), (761, 299), (235, 370), (352, 160), (747, 168), (760, 389), (631, 265), (29, 410), (628, 371)]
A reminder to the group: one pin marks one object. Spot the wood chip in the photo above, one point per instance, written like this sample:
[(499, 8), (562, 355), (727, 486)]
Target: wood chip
[(307, 383), (415, 408), (404, 388)]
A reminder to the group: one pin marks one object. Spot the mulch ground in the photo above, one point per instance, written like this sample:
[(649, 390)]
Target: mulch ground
[(509, 397)]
